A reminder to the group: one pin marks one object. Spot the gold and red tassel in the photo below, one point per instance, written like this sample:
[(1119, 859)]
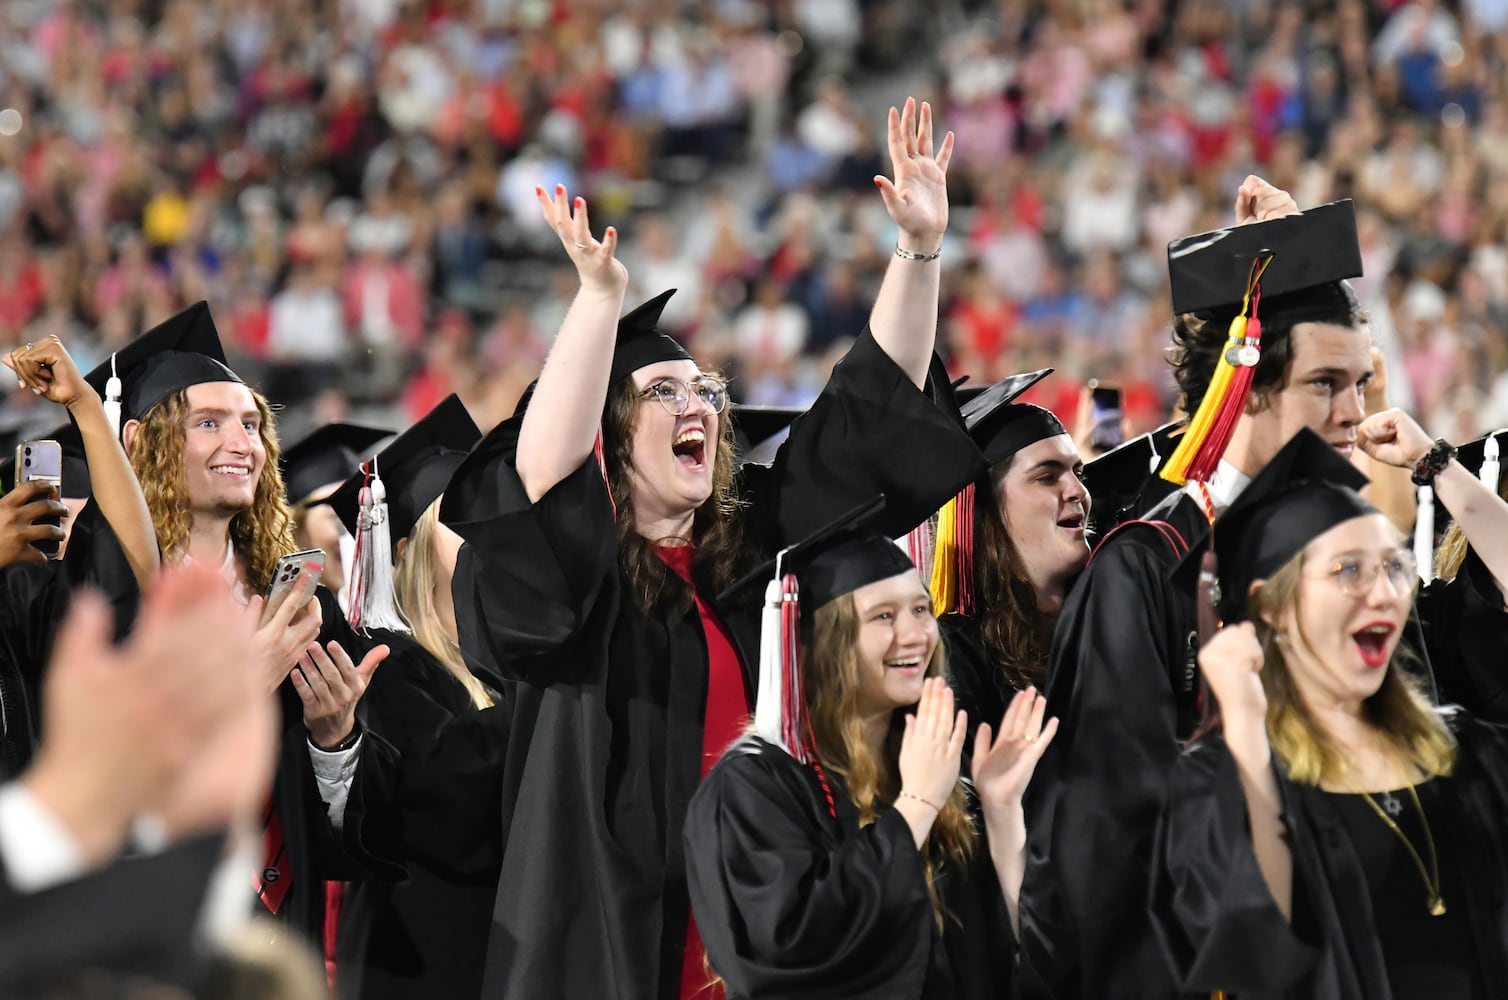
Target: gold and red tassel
[(1214, 421), (952, 583)]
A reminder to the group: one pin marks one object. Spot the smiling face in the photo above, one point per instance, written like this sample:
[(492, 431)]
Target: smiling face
[(223, 452), (672, 457), (1337, 645), (1325, 382), (1045, 508), (896, 639)]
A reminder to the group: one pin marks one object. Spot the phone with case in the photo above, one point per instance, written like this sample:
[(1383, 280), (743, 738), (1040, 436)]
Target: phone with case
[(42, 461), (293, 579)]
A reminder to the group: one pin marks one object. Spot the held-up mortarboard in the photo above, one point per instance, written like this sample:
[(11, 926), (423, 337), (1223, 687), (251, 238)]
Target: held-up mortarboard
[(387, 495), (640, 341), (1306, 490), (1482, 457), (326, 456), (1000, 427), (1118, 480), (76, 483), (181, 351), (834, 560), (1290, 269), (754, 425)]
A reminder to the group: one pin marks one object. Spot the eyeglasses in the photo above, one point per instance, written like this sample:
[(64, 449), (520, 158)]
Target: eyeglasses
[(1357, 576), (675, 395)]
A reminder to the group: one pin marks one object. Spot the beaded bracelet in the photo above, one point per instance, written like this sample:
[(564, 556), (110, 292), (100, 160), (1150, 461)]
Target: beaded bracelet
[(908, 795), (913, 255), (1433, 463)]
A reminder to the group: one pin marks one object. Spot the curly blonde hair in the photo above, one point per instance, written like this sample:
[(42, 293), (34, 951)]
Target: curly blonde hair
[(260, 534), (830, 673)]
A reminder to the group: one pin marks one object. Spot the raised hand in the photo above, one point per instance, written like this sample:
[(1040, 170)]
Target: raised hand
[(917, 199), (932, 744), (1393, 438), (19, 511), (596, 265), (1002, 768), (48, 370), (330, 686), (1259, 201), (1231, 662)]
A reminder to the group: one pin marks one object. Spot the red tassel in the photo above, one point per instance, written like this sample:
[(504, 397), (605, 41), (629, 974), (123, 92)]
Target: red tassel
[(966, 550), (601, 456), (795, 727), (1207, 458)]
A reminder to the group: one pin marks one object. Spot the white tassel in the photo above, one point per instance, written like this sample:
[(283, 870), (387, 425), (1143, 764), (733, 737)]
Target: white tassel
[(112, 399), (347, 546), (767, 700), (1424, 534), (1489, 473), (373, 602)]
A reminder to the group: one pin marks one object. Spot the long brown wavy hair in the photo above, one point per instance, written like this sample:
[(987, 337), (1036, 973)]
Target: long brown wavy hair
[(1399, 710), (830, 673), (721, 549), (1017, 635), (260, 534)]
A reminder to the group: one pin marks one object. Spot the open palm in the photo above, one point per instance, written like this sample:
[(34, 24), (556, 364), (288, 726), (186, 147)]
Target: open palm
[(1002, 768), (917, 197)]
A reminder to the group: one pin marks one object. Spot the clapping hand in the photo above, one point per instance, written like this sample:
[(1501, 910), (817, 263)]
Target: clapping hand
[(1003, 767)]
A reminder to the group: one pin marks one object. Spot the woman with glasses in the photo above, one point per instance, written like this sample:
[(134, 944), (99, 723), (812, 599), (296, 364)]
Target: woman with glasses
[(1331, 833), (600, 531)]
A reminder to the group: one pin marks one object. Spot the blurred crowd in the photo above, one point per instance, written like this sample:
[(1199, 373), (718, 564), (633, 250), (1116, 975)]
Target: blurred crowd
[(351, 183)]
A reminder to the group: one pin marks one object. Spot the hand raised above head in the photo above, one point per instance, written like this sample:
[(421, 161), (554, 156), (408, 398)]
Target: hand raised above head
[(1259, 201), (1393, 438), (917, 198), (47, 369), (595, 262)]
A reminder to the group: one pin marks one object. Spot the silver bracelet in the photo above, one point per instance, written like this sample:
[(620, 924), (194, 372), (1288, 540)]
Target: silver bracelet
[(909, 255)]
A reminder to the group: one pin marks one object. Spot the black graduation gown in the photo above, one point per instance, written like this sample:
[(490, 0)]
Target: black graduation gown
[(134, 918), (427, 936), (1122, 682), (607, 702), (794, 902), (1465, 627), (33, 603), (1220, 925), (980, 687)]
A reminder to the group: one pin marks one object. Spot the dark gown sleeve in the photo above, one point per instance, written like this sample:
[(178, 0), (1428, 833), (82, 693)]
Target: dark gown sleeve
[(137, 916), (787, 905), (1093, 802), (979, 687), (1219, 926), (870, 431), (1464, 626)]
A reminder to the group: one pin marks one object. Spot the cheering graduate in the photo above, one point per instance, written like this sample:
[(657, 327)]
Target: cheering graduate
[(1268, 339), (204, 447), (428, 936), (833, 851), (1008, 547), (586, 587), (312, 469), (111, 546), (1332, 834)]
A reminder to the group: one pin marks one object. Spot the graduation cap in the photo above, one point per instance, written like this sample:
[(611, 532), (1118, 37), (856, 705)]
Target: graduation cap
[(1000, 427), (1483, 456), (1117, 481), (75, 468), (1306, 490), (1288, 270), (327, 455), (181, 351), (754, 425), (837, 559), (640, 341), (383, 500)]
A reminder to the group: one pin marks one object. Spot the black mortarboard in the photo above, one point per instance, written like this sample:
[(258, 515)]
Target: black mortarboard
[(414, 468), (640, 341), (754, 425), (1306, 490), (1002, 427), (1118, 480), (1473, 454), (330, 454), (1312, 249), (181, 351), (75, 467)]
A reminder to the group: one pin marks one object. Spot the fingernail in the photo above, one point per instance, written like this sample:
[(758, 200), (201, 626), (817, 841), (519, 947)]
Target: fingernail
[(538, 189), (878, 182)]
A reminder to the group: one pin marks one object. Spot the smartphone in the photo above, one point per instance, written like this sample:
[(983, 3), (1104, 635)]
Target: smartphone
[(286, 585), (1105, 414), (42, 461)]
